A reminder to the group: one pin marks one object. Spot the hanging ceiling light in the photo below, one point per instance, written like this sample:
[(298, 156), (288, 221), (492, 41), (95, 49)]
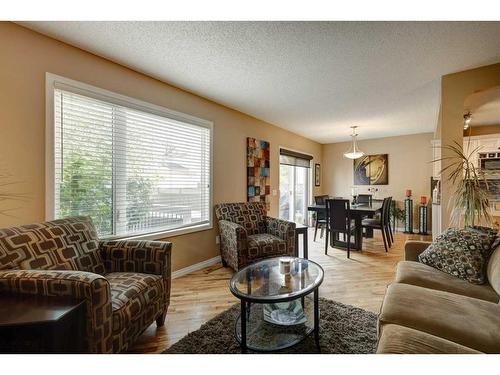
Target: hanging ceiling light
[(354, 152), (467, 120)]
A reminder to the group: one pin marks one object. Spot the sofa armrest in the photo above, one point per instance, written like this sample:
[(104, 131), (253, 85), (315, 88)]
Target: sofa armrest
[(233, 242), (414, 248), (153, 257), (91, 287), (282, 229)]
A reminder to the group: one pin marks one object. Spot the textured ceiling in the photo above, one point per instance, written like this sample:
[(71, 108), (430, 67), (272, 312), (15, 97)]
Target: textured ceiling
[(313, 78)]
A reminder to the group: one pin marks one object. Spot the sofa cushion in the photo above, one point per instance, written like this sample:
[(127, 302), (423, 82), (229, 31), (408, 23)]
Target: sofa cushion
[(65, 244), (467, 321), (396, 339), (265, 245), (463, 253), (493, 270), (419, 274), (135, 299)]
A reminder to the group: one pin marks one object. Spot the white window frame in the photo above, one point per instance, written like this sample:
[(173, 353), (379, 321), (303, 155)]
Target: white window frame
[(53, 81)]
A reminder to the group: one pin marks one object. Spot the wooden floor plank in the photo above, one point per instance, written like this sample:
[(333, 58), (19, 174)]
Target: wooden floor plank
[(199, 296)]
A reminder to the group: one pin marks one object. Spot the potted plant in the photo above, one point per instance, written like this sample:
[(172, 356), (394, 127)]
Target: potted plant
[(397, 214), (469, 200)]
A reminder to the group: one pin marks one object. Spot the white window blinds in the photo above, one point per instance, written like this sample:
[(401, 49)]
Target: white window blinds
[(132, 171)]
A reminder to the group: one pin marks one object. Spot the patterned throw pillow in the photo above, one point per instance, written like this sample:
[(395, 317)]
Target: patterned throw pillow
[(463, 253), (491, 232)]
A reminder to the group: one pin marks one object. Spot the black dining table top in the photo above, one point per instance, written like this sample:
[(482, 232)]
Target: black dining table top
[(374, 207)]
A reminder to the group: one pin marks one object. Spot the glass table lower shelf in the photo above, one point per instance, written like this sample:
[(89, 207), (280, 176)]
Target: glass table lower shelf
[(262, 335)]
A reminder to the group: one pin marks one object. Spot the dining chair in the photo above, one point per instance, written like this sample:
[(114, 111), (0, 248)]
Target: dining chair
[(320, 215), (381, 223), (338, 219), (364, 198), (389, 222)]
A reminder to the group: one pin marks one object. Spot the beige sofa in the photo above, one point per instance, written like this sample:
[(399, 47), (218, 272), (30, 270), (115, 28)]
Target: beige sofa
[(428, 311)]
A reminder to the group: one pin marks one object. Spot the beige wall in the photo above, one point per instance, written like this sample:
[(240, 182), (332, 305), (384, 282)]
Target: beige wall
[(409, 166), (27, 56), (455, 88)]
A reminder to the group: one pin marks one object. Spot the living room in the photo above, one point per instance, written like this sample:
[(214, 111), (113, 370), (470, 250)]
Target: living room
[(264, 187)]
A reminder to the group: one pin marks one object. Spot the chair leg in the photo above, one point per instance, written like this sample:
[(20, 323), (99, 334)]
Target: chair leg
[(390, 232), (388, 236), (160, 321), (224, 263), (385, 240), (348, 245), (326, 242), (384, 229), (315, 230)]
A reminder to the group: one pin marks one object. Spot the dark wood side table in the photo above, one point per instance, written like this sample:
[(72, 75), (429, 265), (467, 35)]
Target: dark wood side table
[(301, 229), (34, 324)]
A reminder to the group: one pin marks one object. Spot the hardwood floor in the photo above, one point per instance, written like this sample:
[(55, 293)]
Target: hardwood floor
[(360, 281)]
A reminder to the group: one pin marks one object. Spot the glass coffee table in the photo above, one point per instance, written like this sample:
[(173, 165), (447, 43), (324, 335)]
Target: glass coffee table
[(279, 303)]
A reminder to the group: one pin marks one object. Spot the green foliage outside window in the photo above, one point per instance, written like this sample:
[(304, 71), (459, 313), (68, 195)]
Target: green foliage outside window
[(86, 189)]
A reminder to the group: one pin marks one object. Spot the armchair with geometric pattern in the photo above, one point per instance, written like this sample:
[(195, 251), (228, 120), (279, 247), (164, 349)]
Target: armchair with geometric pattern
[(125, 283), (247, 234)]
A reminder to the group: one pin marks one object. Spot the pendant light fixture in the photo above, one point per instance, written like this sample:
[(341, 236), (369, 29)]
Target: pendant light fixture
[(354, 152)]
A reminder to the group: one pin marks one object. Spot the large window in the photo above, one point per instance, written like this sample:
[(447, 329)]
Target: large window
[(294, 185), (134, 168)]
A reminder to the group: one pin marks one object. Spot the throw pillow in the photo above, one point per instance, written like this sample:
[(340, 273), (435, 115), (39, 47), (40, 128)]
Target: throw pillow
[(491, 232), (463, 253)]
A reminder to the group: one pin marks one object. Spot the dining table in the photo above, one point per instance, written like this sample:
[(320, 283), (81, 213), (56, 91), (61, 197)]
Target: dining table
[(359, 211)]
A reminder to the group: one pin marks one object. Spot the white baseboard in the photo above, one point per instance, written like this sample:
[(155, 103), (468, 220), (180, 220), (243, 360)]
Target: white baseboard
[(196, 267)]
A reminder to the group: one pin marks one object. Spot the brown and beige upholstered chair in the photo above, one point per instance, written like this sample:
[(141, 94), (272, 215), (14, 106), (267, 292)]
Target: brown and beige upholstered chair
[(248, 234), (126, 284)]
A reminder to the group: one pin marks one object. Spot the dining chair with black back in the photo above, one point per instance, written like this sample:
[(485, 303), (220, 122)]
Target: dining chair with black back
[(338, 219), (381, 223), (389, 223), (320, 215), (364, 198)]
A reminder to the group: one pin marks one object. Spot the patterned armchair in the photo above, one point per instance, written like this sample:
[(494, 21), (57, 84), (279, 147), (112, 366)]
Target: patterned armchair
[(126, 284), (248, 235)]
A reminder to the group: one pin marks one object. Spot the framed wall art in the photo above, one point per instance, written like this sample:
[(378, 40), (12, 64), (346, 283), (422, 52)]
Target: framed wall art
[(258, 176), (317, 174), (371, 170)]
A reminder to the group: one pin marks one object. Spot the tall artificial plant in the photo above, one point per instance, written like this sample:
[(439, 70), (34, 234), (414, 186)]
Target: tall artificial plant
[(469, 200)]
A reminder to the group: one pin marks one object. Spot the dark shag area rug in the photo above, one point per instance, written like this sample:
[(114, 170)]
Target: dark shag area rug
[(344, 329)]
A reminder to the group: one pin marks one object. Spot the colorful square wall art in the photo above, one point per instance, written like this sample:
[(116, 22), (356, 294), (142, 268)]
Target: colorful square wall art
[(258, 176), (371, 170)]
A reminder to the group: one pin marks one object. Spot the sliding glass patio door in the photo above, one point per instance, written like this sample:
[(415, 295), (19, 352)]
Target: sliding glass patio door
[(294, 186)]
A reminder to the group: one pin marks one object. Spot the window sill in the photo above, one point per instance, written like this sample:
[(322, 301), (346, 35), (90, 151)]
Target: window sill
[(162, 234)]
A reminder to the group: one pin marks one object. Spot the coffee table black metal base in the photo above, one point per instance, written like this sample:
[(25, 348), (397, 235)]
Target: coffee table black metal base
[(281, 289), (255, 334)]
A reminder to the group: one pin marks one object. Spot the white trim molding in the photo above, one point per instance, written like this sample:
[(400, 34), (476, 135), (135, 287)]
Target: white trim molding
[(53, 81), (196, 267)]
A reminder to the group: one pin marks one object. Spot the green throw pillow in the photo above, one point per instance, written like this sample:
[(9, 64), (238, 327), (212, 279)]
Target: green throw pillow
[(463, 253)]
